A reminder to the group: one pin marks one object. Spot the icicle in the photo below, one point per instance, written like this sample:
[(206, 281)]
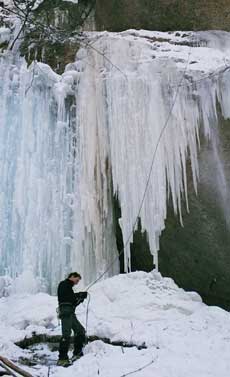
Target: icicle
[(69, 143), (133, 109)]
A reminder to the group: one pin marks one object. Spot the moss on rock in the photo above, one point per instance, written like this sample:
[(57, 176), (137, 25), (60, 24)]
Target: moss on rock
[(117, 15), (51, 37)]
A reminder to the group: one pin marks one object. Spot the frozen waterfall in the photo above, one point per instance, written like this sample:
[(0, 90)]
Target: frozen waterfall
[(43, 232), (69, 143)]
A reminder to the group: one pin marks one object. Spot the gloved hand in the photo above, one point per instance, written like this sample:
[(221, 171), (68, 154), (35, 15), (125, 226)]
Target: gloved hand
[(80, 297), (83, 295)]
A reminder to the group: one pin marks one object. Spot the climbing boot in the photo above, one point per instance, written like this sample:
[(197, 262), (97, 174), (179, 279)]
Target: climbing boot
[(79, 342), (64, 348), (64, 363), (76, 357)]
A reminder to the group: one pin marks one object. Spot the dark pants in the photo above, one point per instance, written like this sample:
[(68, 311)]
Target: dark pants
[(69, 322)]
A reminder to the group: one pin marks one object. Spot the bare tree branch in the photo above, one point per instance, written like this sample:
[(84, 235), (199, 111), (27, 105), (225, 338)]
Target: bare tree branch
[(7, 372), (9, 365), (24, 10), (20, 31)]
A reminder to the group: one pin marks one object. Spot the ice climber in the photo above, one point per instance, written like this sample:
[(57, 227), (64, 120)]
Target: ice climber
[(67, 301)]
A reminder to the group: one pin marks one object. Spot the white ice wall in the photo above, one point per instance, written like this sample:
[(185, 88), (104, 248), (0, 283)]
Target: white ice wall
[(41, 180), (144, 95), (69, 143)]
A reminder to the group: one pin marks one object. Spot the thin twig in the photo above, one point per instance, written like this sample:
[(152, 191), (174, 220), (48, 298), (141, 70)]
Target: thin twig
[(21, 29), (31, 83), (106, 58), (140, 369)]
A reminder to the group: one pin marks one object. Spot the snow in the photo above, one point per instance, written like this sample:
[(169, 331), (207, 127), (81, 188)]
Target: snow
[(72, 1), (39, 2), (183, 336), (4, 34), (143, 293)]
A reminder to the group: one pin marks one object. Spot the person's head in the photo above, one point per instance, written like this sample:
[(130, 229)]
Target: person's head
[(75, 277)]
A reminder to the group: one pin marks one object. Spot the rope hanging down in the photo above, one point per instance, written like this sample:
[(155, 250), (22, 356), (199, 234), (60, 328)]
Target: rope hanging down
[(141, 205), (148, 178), (217, 72)]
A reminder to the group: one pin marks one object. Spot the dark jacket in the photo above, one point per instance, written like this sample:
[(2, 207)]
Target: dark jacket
[(66, 294)]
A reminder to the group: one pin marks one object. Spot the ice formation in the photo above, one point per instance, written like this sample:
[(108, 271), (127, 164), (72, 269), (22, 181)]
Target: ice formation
[(69, 143), (43, 228)]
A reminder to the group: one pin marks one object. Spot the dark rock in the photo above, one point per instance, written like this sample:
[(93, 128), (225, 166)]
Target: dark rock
[(117, 15)]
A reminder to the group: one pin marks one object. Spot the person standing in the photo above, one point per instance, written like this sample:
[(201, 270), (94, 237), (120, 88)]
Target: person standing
[(68, 301)]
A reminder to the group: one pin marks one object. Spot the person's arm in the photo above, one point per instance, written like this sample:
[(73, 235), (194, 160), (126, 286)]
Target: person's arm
[(80, 297)]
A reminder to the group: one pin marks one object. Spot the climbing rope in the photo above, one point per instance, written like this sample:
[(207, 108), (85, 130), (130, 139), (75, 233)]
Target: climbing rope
[(178, 86), (217, 72), (141, 368), (140, 207), (148, 178)]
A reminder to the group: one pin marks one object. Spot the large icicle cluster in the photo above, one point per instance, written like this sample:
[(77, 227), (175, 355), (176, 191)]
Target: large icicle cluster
[(34, 162), (43, 229), (69, 143), (144, 96)]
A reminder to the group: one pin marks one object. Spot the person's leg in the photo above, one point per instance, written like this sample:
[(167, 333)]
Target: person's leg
[(79, 336), (66, 323)]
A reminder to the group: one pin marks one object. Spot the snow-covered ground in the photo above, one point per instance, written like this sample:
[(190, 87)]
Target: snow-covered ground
[(184, 337)]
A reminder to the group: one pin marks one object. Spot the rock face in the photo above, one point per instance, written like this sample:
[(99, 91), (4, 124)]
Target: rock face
[(117, 15), (197, 255)]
